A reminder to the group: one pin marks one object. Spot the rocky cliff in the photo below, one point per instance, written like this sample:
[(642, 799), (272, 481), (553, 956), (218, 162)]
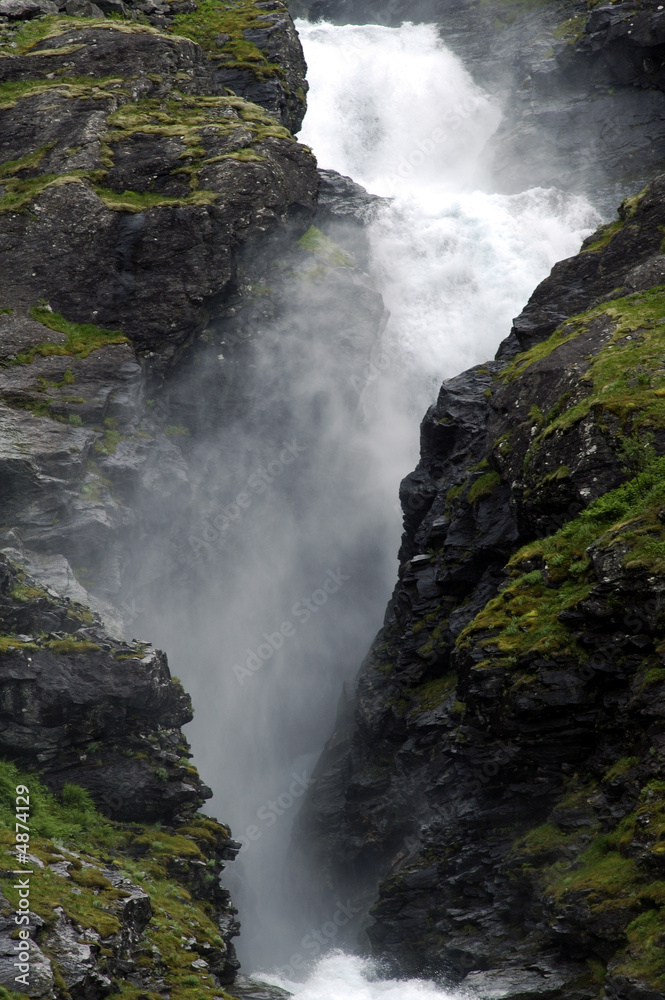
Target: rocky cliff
[(495, 790), (495, 793)]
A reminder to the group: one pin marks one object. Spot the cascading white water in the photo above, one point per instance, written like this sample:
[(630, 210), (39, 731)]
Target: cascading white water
[(395, 110)]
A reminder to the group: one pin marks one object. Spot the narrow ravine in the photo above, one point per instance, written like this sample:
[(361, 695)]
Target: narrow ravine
[(392, 108)]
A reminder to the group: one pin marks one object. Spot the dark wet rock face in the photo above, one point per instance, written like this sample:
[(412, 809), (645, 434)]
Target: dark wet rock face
[(78, 705), (494, 793), (93, 715)]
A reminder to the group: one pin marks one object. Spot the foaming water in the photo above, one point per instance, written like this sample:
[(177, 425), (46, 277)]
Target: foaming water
[(394, 109), (344, 977), (389, 105)]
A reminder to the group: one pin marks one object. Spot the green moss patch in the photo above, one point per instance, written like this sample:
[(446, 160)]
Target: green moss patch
[(81, 338), (621, 767), (185, 119), (523, 617), (542, 840), (602, 237), (484, 487), (10, 168), (644, 957), (75, 87), (433, 693), (215, 19), (626, 378), (317, 243), (134, 201), (605, 884), (28, 35)]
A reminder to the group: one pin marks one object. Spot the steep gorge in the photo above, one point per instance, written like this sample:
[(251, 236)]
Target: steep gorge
[(162, 238)]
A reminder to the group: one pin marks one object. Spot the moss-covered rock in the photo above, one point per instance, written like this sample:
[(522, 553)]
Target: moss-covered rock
[(114, 907), (104, 118)]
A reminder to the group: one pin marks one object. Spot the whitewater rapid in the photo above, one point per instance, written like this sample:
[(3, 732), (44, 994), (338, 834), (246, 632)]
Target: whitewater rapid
[(345, 977)]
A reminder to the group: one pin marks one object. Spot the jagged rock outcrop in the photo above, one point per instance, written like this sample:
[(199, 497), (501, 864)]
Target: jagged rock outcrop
[(86, 711), (133, 904), (494, 793), (80, 706), (142, 174)]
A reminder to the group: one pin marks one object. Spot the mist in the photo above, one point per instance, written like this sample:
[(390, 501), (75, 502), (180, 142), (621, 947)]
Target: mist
[(288, 539)]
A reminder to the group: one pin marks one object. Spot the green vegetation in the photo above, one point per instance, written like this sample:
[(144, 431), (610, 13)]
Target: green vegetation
[(645, 953), (572, 29), (317, 243), (65, 647), (24, 594), (185, 118), (28, 35), (621, 767), (12, 642), (569, 330), (69, 828), (602, 237), (601, 874), (483, 487), (81, 338), (524, 616), (624, 385), (30, 161), (135, 201), (81, 87), (433, 693), (605, 880), (215, 19), (108, 443), (62, 647), (542, 840), (20, 192)]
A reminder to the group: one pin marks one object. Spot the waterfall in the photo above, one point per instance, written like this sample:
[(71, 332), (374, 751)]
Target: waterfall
[(395, 110), (300, 590)]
